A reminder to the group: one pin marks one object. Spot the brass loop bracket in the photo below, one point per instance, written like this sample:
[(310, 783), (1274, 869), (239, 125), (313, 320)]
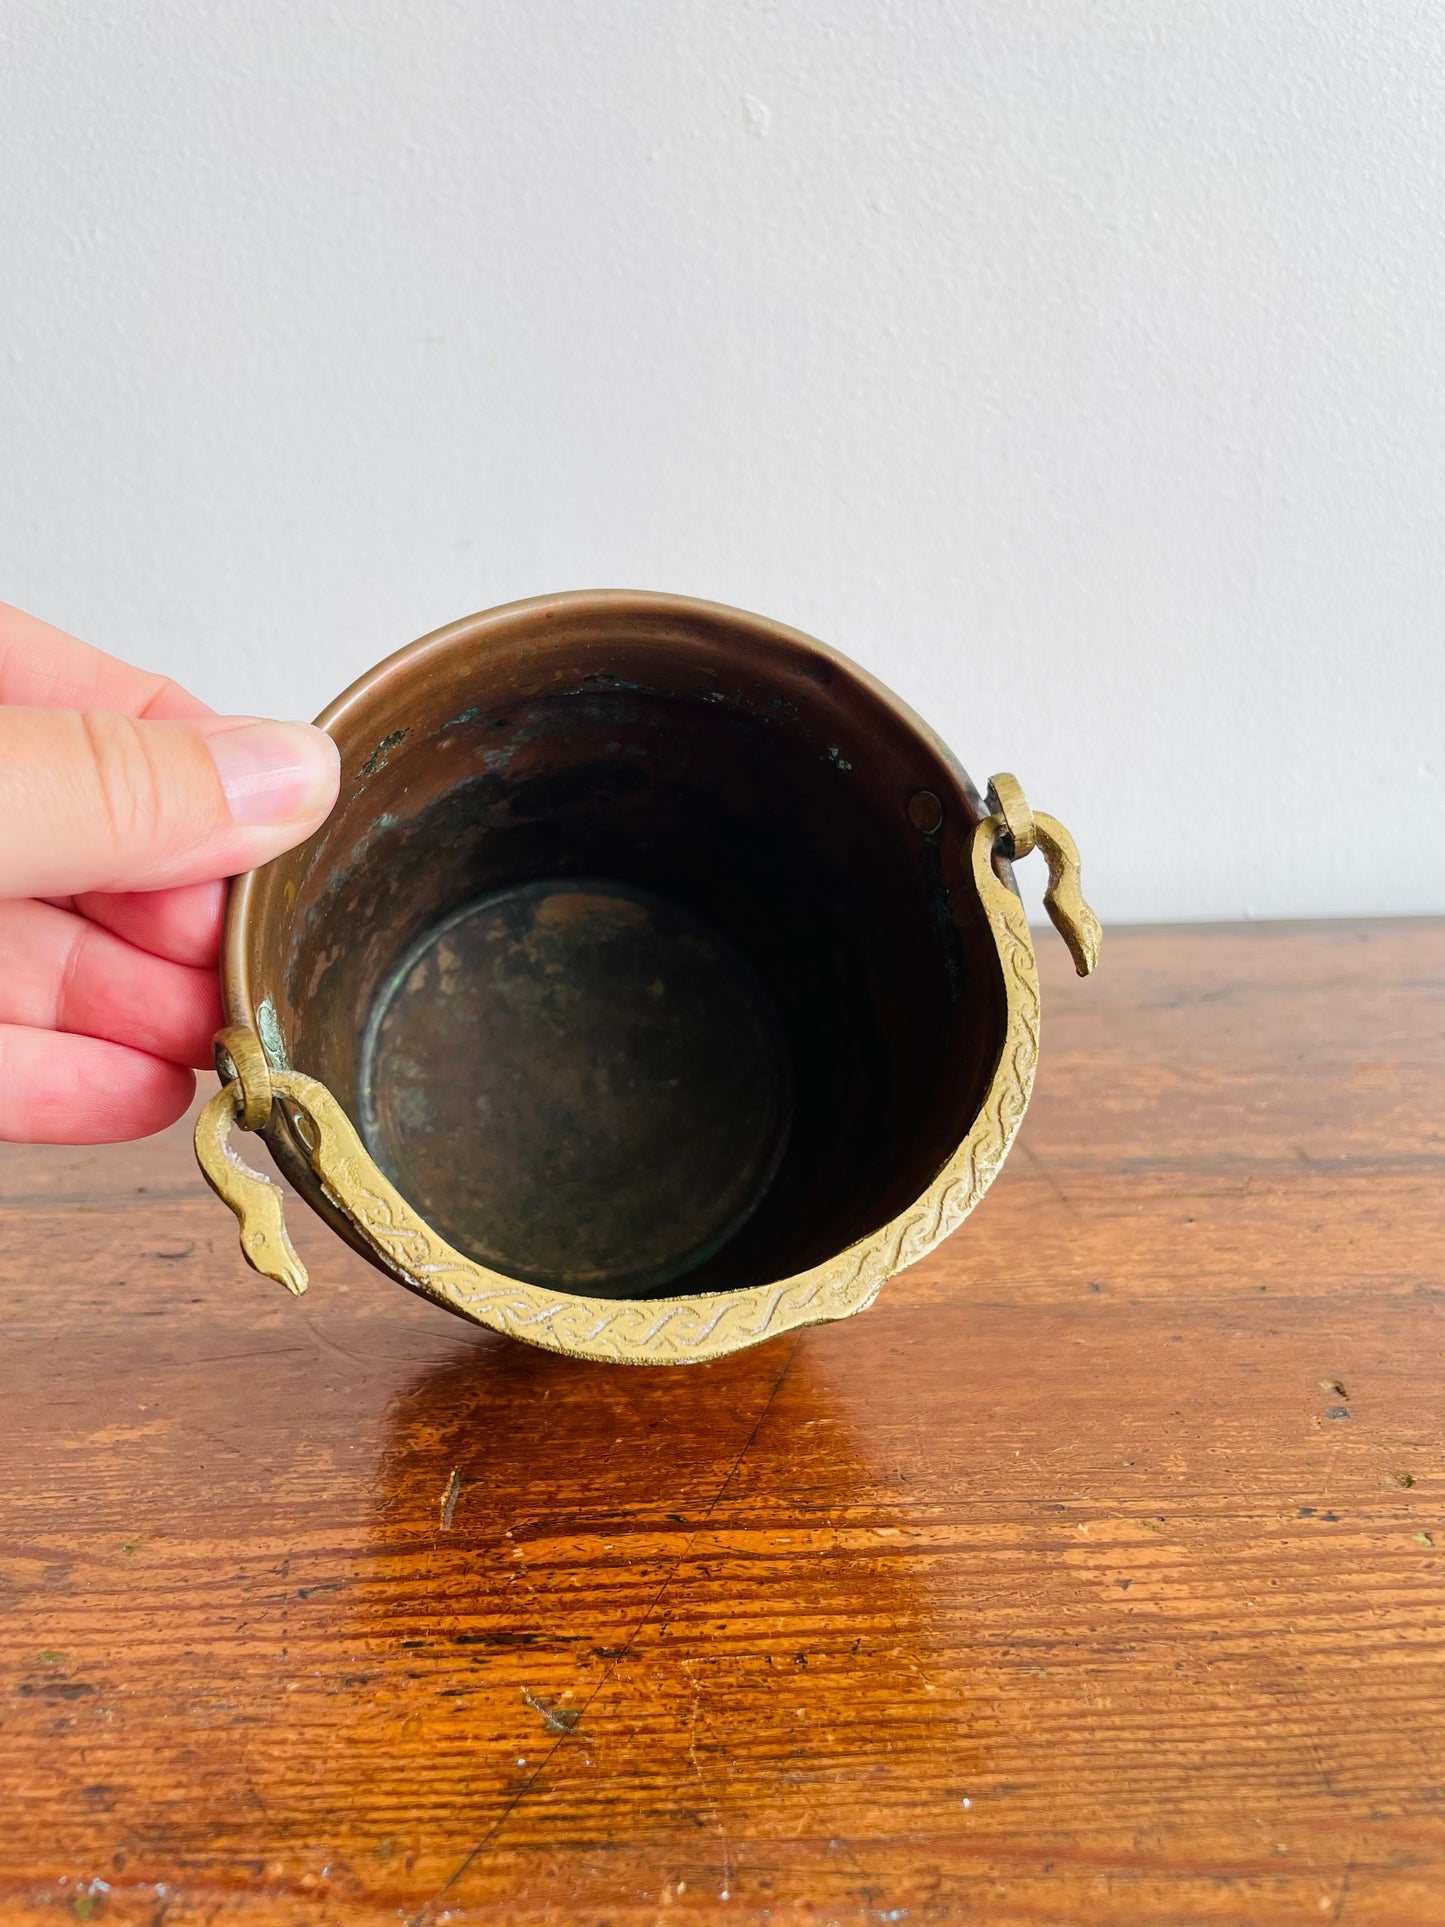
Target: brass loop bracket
[(1021, 830), (240, 1058), (1006, 799)]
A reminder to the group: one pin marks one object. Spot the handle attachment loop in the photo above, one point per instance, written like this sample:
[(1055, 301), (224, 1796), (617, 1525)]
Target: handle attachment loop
[(1021, 830)]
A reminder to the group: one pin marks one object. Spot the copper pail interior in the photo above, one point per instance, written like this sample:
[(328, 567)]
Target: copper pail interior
[(639, 947)]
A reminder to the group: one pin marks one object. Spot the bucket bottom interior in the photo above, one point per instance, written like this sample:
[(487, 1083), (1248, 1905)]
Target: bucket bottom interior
[(579, 1083)]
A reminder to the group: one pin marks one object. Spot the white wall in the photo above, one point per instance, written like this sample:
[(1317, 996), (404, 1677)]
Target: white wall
[(1077, 367)]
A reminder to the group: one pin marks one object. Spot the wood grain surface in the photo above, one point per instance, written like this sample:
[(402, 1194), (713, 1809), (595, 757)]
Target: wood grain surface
[(1097, 1574)]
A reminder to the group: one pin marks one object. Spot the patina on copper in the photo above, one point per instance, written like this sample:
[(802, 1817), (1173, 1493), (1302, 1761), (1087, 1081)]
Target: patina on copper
[(579, 1083)]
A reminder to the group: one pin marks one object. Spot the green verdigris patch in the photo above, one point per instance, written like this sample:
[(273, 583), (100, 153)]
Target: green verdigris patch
[(268, 1026)]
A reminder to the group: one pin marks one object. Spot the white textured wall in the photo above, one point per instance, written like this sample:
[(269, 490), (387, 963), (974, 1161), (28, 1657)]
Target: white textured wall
[(1077, 367)]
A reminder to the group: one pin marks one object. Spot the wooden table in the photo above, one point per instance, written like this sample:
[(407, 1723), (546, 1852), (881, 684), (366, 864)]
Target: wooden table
[(1097, 1574)]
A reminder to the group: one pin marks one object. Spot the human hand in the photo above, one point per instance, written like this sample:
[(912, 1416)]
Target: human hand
[(124, 802)]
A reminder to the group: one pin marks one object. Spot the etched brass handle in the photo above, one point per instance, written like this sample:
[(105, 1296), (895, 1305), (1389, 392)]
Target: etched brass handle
[(660, 1331)]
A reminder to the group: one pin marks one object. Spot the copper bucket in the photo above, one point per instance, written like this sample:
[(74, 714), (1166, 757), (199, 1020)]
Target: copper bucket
[(657, 985)]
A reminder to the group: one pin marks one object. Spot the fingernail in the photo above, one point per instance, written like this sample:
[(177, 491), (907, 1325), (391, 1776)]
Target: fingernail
[(276, 772)]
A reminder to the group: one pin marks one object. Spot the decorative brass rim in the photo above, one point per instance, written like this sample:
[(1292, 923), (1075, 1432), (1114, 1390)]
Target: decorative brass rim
[(660, 1331)]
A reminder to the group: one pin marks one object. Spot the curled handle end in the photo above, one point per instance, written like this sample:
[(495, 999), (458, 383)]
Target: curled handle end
[(1022, 829), (259, 1204), (1064, 898)]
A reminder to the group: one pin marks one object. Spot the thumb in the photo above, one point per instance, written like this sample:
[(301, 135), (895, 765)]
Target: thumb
[(99, 801)]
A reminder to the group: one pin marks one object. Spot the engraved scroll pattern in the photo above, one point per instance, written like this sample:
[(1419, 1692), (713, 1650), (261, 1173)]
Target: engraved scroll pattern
[(673, 1331)]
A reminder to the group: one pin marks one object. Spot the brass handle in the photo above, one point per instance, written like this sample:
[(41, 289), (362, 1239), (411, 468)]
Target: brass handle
[(664, 1330)]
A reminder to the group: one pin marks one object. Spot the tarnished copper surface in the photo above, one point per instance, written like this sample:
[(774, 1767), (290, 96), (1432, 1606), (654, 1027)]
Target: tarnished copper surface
[(578, 1083)]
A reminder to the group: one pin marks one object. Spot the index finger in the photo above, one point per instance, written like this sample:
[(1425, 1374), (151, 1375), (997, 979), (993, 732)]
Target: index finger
[(182, 923), (44, 668)]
